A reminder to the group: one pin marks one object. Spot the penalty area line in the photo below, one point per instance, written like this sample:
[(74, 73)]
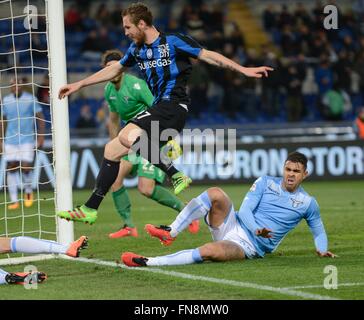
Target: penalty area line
[(234, 283)]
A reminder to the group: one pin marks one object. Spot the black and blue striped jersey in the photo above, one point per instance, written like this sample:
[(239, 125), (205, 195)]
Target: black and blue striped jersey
[(165, 65)]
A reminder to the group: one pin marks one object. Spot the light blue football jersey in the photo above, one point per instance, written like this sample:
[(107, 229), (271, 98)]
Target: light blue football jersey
[(268, 205), (20, 118)]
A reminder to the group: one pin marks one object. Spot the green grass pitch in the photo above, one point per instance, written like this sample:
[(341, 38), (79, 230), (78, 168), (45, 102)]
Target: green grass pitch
[(294, 265)]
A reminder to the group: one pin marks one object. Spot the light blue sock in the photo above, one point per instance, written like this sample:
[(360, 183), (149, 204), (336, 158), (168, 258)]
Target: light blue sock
[(194, 210), (3, 274), (32, 245), (181, 257)]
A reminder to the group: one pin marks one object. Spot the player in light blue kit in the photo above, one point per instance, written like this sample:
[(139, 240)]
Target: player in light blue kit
[(19, 111), (33, 245), (271, 209)]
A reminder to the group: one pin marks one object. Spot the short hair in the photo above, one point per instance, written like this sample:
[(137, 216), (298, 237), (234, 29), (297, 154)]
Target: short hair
[(138, 11), (111, 55), (297, 157)]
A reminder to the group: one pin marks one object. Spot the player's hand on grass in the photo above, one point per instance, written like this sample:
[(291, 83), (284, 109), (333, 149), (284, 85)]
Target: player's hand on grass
[(264, 232), (257, 72), (66, 90), (327, 254)]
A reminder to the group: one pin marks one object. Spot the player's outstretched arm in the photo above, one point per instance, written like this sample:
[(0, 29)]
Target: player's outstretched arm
[(217, 59), (103, 75)]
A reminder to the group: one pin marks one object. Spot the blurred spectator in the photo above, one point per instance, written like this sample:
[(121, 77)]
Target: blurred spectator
[(206, 17), (96, 43), (318, 9), (332, 104), (43, 91), (250, 98), (285, 18), (86, 119), (72, 18), (317, 47), (102, 118), (324, 76), (185, 14), (269, 18), (233, 36), (233, 99), (359, 124), (195, 26), (270, 86), (198, 85), (359, 67), (115, 16), (342, 71), (302, 15), (293, 82), (39, 50), (304, 39), (83, 6), (103, 15), (217, 16), (288, 41)]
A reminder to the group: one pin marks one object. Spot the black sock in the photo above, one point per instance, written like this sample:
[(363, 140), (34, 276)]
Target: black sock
[(169, 170), (166, 167), (107, 175)]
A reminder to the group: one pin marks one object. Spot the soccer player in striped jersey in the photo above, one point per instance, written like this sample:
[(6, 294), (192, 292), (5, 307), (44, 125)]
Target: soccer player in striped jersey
[(269, 211), (21, 115), (163, 59), (128, 96), (35, 246)]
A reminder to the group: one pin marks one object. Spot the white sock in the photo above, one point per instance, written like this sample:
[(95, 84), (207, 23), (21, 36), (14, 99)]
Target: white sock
[(194, 210), (27, 181), (3, 274), (12, 179), (181, 257), (32, 245)]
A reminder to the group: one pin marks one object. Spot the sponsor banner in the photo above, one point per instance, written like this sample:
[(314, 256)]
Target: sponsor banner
[(327, 161)]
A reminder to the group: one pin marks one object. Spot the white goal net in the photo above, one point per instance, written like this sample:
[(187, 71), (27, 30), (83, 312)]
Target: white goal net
[(31, 142)]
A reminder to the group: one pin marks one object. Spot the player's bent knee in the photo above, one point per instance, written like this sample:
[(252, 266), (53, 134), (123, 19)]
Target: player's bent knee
[(124, 139), (218, 197)]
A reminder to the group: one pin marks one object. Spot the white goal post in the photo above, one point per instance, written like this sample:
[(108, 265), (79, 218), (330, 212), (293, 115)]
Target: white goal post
[(61, 135), (57, 72)]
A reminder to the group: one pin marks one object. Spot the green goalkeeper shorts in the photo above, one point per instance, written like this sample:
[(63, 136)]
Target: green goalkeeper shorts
[(143, 168)]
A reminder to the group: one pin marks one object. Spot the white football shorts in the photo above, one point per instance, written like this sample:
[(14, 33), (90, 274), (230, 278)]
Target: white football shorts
[(231, 230), (19, 152)]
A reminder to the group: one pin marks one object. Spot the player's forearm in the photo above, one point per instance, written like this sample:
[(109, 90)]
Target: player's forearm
[(245, 214), (217, 59), (103, 75), (321, 242)]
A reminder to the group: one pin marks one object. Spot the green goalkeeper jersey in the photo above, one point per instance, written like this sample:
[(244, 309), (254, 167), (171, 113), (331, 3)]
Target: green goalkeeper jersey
[(132, 98)]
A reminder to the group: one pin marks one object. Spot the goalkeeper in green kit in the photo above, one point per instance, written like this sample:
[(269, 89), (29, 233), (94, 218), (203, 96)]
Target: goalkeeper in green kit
[(127, 96)]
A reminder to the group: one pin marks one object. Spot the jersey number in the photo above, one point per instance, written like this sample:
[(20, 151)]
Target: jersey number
[(143, 115)]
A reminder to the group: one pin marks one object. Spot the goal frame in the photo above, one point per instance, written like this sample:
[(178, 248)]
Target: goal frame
[(60, 128)]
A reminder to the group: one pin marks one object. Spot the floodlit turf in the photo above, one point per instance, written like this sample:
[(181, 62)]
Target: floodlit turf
[(294, 264)]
